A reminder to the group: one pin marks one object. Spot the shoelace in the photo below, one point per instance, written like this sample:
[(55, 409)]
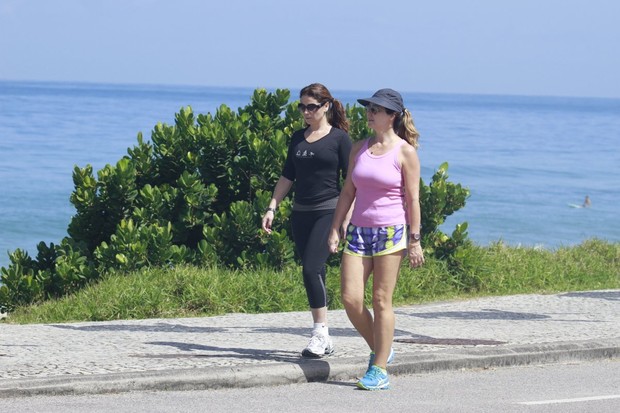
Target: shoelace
[(314, 340), (375, 372)]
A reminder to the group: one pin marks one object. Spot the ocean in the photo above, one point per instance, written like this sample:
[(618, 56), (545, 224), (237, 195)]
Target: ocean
[(525, 159)]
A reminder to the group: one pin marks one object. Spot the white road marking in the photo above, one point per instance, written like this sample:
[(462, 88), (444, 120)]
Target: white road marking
[(579, 399)]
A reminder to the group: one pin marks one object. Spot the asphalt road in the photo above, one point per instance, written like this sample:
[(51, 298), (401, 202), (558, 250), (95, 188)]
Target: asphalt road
[(581, 386)]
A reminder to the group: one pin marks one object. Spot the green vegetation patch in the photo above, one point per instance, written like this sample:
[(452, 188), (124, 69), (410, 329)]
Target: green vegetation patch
[(190, 291)]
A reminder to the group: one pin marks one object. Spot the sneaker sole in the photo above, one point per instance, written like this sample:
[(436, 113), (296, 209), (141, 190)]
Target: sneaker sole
[(385, 386), (311, 355)]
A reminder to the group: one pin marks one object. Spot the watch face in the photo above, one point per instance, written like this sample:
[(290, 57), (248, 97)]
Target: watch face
[(415, 237)]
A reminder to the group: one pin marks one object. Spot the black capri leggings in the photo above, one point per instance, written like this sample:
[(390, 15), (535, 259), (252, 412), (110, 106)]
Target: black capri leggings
[(310, 232)]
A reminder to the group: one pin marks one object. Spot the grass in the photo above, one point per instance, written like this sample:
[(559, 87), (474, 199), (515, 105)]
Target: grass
[(189, 291)]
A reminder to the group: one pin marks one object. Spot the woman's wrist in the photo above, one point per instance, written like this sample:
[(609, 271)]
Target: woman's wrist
[(415, 237)]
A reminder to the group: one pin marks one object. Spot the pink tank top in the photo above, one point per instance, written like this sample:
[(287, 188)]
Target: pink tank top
[(379, 197)]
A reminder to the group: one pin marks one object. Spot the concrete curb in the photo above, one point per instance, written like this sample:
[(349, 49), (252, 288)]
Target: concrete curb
[(329, 369)]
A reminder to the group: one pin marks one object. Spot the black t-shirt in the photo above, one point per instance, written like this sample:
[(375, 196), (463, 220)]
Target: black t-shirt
[(316, 167)]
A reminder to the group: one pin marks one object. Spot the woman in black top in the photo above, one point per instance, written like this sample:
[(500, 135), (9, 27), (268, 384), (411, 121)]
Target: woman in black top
[(318, 156)]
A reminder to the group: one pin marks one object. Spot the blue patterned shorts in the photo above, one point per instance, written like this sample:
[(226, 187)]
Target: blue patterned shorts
[(375, 241)]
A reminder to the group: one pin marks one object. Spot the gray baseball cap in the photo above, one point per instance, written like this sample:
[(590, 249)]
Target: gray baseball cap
[(388, 98)]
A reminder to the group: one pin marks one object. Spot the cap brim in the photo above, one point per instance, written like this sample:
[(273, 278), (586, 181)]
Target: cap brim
[(379, 101)]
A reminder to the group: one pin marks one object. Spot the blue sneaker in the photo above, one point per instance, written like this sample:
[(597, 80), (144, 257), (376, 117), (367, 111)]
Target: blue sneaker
[(375, 379), (390, 359)]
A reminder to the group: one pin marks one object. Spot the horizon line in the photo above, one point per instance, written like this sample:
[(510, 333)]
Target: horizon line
[(272, 88)]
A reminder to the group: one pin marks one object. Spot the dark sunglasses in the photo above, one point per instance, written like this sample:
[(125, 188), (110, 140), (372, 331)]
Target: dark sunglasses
[(311, 107), (374, 109)]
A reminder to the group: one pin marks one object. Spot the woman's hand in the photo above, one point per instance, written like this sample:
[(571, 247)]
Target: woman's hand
[(415, 253), (267, 221), (333, 241)]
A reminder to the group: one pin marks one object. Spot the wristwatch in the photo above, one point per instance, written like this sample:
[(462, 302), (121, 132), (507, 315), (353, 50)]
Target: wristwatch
[(271, 209), (415, 237)]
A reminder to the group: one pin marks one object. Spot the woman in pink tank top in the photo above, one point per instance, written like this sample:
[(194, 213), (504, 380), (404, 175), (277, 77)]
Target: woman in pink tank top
[(383, 179)]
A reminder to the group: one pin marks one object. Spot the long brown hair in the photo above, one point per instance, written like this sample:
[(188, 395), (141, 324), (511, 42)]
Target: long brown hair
[(336, 115)]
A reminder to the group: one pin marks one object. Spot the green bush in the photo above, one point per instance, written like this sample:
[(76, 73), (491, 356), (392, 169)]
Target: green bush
[(195, 195), (439, 200)]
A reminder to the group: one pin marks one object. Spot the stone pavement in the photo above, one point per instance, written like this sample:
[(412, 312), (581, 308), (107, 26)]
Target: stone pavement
[(242, 350)]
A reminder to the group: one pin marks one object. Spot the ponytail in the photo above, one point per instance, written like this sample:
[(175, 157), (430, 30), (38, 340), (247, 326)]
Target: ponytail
[(405, 128), (336, 115)]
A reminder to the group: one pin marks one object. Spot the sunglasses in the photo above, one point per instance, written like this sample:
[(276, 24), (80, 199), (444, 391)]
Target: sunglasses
[(374, 109), (311, 107)]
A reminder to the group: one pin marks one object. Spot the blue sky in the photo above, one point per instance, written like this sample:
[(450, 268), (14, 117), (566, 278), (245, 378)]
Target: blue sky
[(523, 47)]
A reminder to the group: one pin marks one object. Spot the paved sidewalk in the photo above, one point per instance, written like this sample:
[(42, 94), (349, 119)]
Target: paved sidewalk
[(242, 350)]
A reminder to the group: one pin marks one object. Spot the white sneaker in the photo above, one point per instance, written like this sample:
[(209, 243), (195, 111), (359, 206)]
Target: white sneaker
[(320, 345)]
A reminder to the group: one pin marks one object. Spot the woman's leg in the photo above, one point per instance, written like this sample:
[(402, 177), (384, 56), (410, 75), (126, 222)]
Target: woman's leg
[(354, 274), (386, 270), (314, 259), (310, 231)]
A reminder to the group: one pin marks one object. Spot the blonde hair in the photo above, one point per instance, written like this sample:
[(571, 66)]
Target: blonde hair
[(405, 128)]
